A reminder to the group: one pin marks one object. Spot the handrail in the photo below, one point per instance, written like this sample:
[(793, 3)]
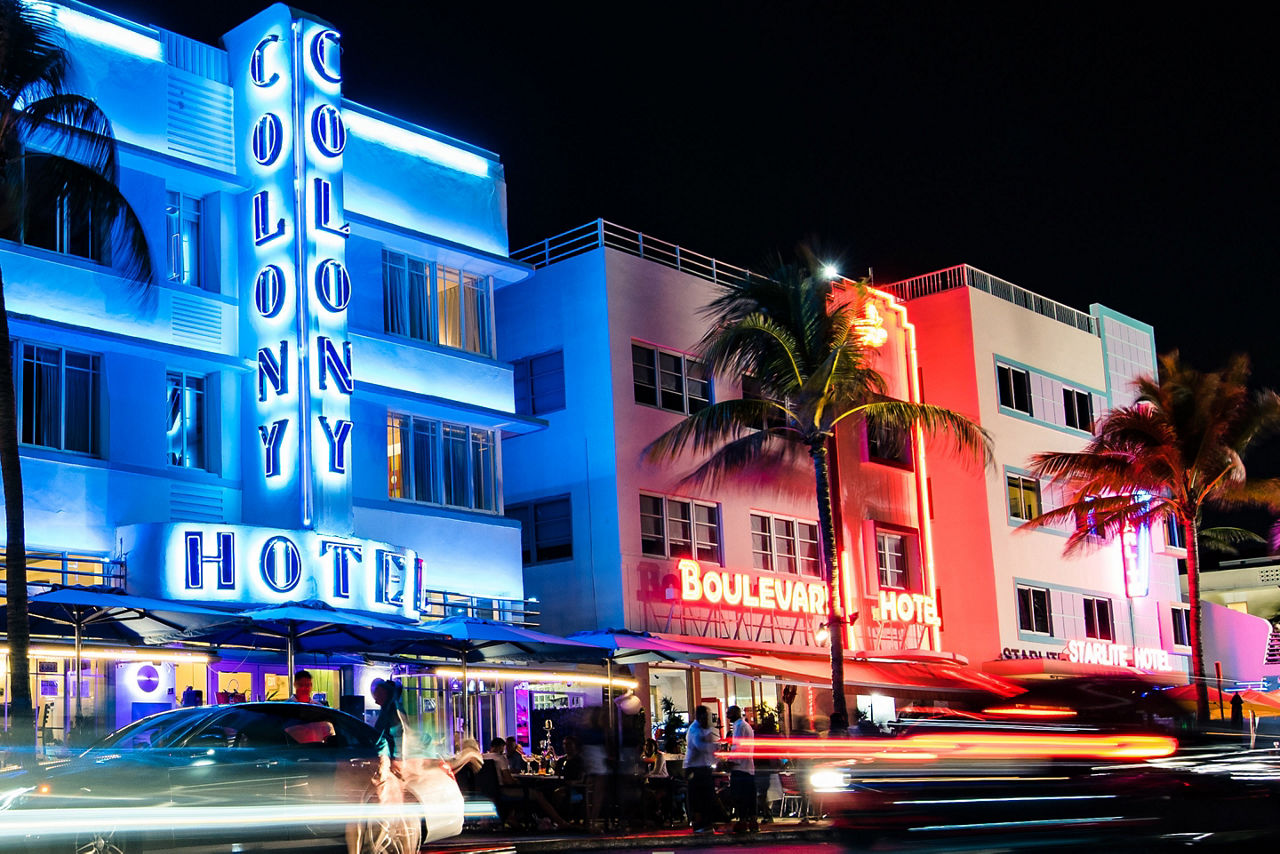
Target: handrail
[(963, 275), (602, 234)]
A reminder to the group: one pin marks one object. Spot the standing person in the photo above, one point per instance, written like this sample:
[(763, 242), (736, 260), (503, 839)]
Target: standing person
[(389, 726), (302, 689), (742, 772), (699, 760), (766, 768)]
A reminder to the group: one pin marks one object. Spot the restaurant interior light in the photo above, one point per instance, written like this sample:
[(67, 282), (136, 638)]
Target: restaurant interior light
[(515, 675), (98, 653)]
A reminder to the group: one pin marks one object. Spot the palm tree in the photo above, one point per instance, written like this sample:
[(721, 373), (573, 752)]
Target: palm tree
[(59, 154), (798, 341), (1178, 449)]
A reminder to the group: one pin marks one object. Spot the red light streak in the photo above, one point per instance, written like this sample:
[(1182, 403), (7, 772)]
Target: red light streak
[(930, 746), (1033, 711)]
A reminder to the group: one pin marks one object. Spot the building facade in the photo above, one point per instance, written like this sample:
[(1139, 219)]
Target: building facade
[(1036, 374), (307, 403), (603, 340)]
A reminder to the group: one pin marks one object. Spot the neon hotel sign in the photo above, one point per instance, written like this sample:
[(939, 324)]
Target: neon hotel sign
[(766, 593)]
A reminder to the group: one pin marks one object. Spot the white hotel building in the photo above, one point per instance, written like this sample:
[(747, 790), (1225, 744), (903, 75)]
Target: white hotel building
[(307, 404)]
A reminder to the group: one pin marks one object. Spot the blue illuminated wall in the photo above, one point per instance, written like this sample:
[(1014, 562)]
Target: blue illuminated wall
[(285, 327)]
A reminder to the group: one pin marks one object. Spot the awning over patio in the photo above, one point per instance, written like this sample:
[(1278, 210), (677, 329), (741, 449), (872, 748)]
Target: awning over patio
[(1058, 668), (884, 674)]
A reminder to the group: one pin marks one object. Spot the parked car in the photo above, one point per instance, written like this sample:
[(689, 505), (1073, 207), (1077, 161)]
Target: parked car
[(248, 771)]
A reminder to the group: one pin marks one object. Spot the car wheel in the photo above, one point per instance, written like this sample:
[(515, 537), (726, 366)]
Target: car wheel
[(401, 834), (103, 842)]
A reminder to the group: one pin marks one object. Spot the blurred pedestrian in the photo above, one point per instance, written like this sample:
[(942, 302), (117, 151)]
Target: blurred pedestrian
[(766, 774), (302, 684), (800, 766), (699, 761), (742, 772)]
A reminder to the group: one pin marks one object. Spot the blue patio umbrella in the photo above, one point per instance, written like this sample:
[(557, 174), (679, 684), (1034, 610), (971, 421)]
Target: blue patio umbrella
[(309, 626)]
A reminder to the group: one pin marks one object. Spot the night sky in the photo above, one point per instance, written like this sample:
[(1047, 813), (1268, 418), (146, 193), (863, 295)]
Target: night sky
[(1088, 153)]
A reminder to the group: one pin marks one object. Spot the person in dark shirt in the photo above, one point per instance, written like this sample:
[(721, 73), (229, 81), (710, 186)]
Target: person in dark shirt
[(515, 756)]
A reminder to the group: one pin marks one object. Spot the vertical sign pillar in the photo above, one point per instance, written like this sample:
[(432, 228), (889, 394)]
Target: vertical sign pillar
[(294, 283)]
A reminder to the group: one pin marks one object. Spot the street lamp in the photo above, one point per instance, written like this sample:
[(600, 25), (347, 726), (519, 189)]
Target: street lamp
[(822, 634), (829, 271)]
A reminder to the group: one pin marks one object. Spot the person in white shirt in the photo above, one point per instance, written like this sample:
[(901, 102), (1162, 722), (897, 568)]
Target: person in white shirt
[(699, 760), (742, 772)]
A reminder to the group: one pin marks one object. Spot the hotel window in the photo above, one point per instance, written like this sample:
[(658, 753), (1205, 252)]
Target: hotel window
[(891, 560), (1097, 619), (669, 381), (888, 444), (1033, 610), (431, 302), (58, 398), (785, 545), (185, 434), (1173, 534), (679, 528), (539, 383), (546, 529), (1015, 388), (67, 224), (1181, 625), (1024, 497), (182, 231), (1077, 407), (436, 462)]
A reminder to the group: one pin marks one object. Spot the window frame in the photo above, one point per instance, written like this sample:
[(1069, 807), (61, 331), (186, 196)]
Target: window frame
[(905, 461), (181, 210), (689, 402), (796, 556), (529, 534), (99, 234), (1094, 627), (699, 548), (1180, 625), (885, 575), (1010, 371), (1023, 481), (203, 392), (434, 430), (524, 378), (1071, 405), (1027, 625), (94, 415), (474, 304)]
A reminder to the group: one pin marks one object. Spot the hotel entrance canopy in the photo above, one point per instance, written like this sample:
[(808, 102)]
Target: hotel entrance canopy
[(884, 674)]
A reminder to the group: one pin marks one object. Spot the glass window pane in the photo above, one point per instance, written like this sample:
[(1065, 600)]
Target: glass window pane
[(424, 461), (173, 433), (679, 529), (652, 526), (393, 293), (476, 322), (419, 301), (644, 374), (449, 310), (454, 465), (671, 380), (482, 488), (397, 447)]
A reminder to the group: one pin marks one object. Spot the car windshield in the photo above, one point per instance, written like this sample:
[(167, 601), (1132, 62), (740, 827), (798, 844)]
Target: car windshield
[(164, 730)]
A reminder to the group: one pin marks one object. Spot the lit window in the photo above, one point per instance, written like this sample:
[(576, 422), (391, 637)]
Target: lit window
[(1181, 625), (669, 380), (182, 231), (1033, 610), (679, 528), (1097, 619), (891, 560), (186, 404), (1024, 497), (1078, 409), (58, 398), (406, 296), (546, 529), (431, 302), (539, 382), (440, 463), (1015, 388)]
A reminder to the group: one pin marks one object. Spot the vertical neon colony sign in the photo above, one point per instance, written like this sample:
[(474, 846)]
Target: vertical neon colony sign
[(301, 288)]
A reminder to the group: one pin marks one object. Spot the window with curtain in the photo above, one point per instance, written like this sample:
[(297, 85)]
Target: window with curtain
[(186, 415), (406, 296), (182, 230), (680, 528), (58, 398), (436, 462), (449, 310)]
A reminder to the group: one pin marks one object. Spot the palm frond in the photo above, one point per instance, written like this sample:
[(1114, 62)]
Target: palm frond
[(967, 438), (722, 421), (761, 450), (1224, 540)]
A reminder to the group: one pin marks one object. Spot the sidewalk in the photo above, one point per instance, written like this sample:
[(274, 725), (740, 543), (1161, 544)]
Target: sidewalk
[(785, 830)]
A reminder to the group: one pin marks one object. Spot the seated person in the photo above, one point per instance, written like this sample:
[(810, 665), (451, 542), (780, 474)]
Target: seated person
[(515, 756), (510, 789)]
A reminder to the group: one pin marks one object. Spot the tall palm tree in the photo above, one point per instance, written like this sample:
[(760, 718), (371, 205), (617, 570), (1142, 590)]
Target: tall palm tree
[(799, 343), (57, 156), (1178, 449)]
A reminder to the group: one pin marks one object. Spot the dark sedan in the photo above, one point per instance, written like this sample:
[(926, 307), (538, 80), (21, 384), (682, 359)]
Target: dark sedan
[(244, 772)]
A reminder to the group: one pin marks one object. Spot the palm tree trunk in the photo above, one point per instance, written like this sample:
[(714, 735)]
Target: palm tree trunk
[(1191, 533), (831, 564), (22, 732)]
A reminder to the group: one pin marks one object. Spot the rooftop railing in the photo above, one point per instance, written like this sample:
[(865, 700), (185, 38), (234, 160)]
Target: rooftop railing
[(964, 276), (598, 234)]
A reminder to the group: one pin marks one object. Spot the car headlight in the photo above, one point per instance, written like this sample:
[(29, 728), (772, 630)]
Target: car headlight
[(829, 780)]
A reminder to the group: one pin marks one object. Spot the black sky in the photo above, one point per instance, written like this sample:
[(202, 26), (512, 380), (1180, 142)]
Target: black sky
[(1090, 154)]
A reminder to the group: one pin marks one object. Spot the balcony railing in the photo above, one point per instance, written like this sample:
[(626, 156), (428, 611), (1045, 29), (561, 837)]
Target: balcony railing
[(598, 234), (964, 276), (439, 604)]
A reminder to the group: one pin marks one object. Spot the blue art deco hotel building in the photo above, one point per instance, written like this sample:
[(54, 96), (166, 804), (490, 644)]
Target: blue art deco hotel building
[(307, 403)]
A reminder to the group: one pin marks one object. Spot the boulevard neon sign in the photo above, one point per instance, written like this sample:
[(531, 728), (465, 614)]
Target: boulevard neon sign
[(1117, 655), (765, 593)]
